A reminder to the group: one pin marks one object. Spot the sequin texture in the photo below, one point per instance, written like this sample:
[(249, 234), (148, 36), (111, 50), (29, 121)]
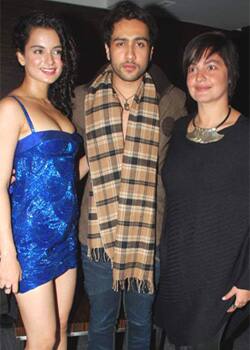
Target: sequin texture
[(45, 206)]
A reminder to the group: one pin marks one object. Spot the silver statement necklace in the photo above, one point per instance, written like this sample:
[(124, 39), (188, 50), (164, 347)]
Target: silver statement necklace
[(125, 105), (206, 135)]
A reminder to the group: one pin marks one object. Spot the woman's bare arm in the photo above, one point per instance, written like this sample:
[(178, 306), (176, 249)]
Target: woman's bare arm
[(10, 126), (83, 167)]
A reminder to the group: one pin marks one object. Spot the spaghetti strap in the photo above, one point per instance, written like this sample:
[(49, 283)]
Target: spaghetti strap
[(25, 113)]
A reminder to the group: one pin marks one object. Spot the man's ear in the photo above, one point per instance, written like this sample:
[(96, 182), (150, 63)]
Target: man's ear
[(151, 53), (20, 58), (107, 52)]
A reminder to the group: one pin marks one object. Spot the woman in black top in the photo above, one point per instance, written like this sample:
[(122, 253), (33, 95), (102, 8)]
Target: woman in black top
[(204, 251)]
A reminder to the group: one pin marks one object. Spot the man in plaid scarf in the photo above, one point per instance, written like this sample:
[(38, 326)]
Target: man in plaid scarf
[(118, 117)]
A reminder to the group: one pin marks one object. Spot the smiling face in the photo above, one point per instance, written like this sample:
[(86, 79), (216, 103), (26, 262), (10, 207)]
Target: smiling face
[(41, 58), (207, 79), (129, 50)]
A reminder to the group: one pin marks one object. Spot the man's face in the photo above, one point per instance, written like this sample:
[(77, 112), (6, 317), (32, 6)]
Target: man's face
[(129, 51)]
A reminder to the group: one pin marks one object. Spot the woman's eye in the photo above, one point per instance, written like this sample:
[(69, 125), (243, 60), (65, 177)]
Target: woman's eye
[(211, 67), (57, 52), (38, 51), (191, 69)]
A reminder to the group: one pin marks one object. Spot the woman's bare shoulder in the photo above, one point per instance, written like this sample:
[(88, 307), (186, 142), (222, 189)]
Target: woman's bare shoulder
[(10, 110)]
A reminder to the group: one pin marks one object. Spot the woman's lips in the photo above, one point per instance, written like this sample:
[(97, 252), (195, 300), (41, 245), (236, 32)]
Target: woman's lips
[(49, 71), (202, 88)]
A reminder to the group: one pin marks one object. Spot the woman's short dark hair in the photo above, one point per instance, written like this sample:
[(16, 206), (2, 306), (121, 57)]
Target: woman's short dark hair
[(214, 42), (128, 10), (60, 92)]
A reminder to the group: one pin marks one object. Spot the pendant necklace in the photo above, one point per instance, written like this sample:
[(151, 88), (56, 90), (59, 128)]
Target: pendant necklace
[(206, 135), (125, 105)]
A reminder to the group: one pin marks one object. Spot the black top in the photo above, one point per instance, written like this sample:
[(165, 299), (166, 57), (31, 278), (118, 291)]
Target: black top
[(204, 249)]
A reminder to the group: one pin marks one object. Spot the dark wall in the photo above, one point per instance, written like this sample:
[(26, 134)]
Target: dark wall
[(242, 95), (82, 21), (85, 24)]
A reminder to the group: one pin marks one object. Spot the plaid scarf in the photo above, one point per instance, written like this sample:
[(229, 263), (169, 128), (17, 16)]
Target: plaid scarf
[(123, 181)]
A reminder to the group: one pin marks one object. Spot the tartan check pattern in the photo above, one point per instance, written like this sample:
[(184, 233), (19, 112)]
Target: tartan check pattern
[(123, 175)]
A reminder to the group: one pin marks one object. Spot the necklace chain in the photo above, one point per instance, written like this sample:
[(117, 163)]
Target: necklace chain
[(125, 104), (216, 127)]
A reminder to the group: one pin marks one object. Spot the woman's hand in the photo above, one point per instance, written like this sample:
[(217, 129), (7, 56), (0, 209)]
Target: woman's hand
[(10, 274), (242, 297)]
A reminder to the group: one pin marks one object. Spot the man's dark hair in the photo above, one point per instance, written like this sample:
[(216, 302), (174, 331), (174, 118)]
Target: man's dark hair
[(128, 10), (214, 42), (60, 91)]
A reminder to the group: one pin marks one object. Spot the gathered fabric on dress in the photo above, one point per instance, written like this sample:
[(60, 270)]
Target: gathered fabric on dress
[(44, 204)]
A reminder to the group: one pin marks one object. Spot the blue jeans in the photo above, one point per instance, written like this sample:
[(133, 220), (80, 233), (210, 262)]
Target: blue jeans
[(105, 308)]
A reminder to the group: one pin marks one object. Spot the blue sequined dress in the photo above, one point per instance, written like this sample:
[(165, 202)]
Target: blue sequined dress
[(44, 205)]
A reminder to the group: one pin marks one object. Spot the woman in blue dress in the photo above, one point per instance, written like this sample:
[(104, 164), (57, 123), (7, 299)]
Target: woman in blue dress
[(38, 215)]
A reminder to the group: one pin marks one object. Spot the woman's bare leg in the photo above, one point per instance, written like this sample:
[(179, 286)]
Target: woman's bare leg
[(65, 291), (38, 311)]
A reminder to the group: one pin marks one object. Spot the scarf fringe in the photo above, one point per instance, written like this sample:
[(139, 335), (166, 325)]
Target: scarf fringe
[(98, 255), (133, 285), (129, 284)]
